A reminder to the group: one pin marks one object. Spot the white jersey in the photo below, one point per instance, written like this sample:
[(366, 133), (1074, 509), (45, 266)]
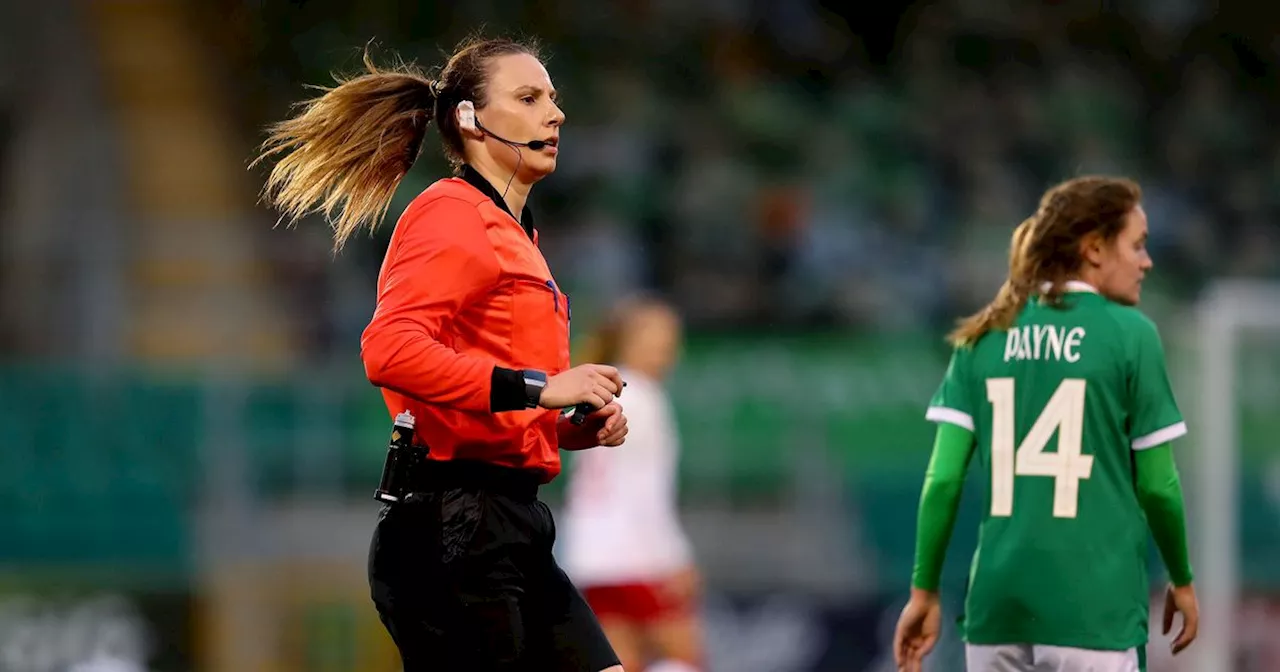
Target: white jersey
[(619, 523)]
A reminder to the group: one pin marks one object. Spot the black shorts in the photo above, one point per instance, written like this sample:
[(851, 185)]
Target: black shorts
[(463, 578)]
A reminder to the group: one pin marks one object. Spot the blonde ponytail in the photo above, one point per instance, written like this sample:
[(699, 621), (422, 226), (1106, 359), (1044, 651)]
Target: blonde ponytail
[(996, 316), (1046, 248), (346, 152), (1012, 297)]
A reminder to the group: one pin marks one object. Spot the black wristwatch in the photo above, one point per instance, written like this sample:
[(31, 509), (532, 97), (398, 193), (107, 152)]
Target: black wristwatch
[(534, 382)]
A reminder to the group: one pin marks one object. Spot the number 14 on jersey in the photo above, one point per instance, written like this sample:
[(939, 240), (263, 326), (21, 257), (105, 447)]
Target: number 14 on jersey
[(1063, 416)]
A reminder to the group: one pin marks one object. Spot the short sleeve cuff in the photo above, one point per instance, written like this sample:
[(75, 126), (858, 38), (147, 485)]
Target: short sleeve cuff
[(949, 415), (1160, 436)]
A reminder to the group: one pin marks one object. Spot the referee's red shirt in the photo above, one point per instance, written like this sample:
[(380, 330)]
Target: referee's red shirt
[(464, 288)]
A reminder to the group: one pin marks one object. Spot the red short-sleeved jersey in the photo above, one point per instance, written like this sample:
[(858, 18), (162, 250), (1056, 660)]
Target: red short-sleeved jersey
[(464, 288)]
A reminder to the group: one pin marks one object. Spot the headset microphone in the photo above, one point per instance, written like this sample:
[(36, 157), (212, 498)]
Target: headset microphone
[(535, 145), (467, 119)]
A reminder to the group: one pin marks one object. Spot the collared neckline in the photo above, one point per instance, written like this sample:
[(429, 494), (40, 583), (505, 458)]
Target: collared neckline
[(475, 179), (1072, 286)]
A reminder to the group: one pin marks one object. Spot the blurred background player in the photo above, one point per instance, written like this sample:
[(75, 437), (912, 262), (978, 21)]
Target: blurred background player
[(623, 543), (1059, 385)]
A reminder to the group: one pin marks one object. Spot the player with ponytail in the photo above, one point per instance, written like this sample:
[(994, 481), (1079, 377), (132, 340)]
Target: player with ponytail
[(1059, 387)]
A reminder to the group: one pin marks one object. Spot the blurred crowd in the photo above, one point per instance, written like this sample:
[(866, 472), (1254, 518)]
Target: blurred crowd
[(782, 165), (779, 164), (803, 164)]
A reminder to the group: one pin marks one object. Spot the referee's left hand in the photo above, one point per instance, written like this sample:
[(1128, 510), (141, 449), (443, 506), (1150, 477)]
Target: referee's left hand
[(604, 427), (610, 425)]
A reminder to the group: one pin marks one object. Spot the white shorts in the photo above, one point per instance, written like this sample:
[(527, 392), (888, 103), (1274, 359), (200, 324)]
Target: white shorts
[(1041, 658)]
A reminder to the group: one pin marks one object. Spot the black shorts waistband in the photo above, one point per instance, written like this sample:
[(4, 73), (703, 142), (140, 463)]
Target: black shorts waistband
[(436, 475)]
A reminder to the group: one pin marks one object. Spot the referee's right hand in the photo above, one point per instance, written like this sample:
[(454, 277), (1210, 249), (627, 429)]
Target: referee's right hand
[(595, 384)]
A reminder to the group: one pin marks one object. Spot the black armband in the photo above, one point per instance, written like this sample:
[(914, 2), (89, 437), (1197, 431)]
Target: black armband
[(514, 390)]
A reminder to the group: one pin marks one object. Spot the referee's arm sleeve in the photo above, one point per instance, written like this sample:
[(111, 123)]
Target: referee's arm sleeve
[(441, 260), (940, 502)]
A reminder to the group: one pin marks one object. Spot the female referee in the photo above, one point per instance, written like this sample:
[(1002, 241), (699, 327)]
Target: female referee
[(623, 543), (470, 335)]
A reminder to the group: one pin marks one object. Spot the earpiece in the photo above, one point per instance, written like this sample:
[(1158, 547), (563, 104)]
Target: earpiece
[(467, 122), (467, 115)]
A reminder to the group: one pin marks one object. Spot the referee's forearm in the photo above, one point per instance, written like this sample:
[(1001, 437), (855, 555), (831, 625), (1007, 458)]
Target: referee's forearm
[(506, 390), (418, 366)]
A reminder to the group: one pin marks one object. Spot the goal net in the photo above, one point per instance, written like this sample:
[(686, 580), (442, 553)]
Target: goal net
[(1229, 384)]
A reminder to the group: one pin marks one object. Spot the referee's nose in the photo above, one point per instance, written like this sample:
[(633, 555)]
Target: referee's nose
[(557, 116)]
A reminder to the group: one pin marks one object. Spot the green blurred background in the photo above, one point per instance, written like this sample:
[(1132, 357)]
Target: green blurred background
[(188, 445)]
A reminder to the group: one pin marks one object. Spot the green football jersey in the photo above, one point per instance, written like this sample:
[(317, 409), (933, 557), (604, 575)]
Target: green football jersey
[(1057, 403)]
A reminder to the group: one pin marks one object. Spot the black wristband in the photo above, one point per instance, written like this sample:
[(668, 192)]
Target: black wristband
[(507, 390)]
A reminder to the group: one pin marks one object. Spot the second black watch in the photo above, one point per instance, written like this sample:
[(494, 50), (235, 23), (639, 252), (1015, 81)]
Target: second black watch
[(534, 382)]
